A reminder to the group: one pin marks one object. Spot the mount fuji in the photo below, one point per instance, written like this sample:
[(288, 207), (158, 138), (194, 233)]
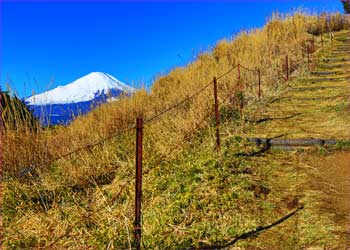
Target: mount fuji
[(62, 104)]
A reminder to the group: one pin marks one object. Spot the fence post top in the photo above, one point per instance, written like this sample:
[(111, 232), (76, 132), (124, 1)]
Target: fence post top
[(139, 121)]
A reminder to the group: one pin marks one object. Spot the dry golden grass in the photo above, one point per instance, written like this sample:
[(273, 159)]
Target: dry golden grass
[(265, 48), (191, 196), (322, 101)]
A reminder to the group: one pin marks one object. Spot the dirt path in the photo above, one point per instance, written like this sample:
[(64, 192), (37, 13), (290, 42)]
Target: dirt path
[(315, 103), (317, 107), (331, 178)]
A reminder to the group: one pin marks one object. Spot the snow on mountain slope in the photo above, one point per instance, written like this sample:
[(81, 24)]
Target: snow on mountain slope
[(81, 90)]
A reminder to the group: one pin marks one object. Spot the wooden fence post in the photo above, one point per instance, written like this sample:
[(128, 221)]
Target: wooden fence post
[(138, 183), (259, 79), (308, 57), (287, 68), (217, 115), (239, 72)]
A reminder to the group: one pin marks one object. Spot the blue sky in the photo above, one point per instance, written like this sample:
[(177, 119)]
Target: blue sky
[(46, 44)]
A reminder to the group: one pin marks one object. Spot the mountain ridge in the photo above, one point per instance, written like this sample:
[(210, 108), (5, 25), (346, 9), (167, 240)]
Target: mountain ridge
[(64, 103), (81, 90)]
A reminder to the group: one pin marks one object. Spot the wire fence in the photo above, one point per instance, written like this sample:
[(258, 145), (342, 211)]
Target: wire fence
[(232, 97), (238, 86)]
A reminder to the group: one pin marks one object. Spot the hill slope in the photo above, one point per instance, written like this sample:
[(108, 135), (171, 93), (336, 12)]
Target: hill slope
[(60, 197)]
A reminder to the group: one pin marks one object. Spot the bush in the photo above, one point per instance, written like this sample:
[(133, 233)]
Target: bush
[(346, 6), (324, 23), (15, 115)]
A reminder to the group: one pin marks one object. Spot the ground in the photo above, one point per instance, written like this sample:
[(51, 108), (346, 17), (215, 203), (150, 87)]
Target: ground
[(314, 106)]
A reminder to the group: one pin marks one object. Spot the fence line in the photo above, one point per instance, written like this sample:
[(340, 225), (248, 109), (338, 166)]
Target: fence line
[(147, 120), (178, 104), (138, 190), (30, 169), (122, 189), (33, 167), (140, 122), (248, 69)]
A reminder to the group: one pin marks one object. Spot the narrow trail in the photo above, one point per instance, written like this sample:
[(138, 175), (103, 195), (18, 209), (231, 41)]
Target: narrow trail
[(319, 99), (317, 107)]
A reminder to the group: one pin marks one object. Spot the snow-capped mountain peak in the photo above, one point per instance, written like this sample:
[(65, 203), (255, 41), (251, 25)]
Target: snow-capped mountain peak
[(83, 89)]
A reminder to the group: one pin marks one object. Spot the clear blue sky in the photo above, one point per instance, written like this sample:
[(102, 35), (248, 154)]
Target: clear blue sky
[(46, 44)]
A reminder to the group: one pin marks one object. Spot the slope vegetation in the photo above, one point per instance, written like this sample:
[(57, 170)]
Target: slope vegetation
[(73, 187)]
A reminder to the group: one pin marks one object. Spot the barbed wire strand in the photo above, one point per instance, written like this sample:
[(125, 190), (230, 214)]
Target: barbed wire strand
[(33, 167), (226, 73), (248, 69), (188, 98)]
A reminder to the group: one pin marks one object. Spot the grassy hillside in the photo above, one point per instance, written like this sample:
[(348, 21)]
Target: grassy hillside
[(191, 195)]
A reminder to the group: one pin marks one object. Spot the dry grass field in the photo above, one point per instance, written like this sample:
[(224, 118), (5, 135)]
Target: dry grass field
[(192, 196)]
